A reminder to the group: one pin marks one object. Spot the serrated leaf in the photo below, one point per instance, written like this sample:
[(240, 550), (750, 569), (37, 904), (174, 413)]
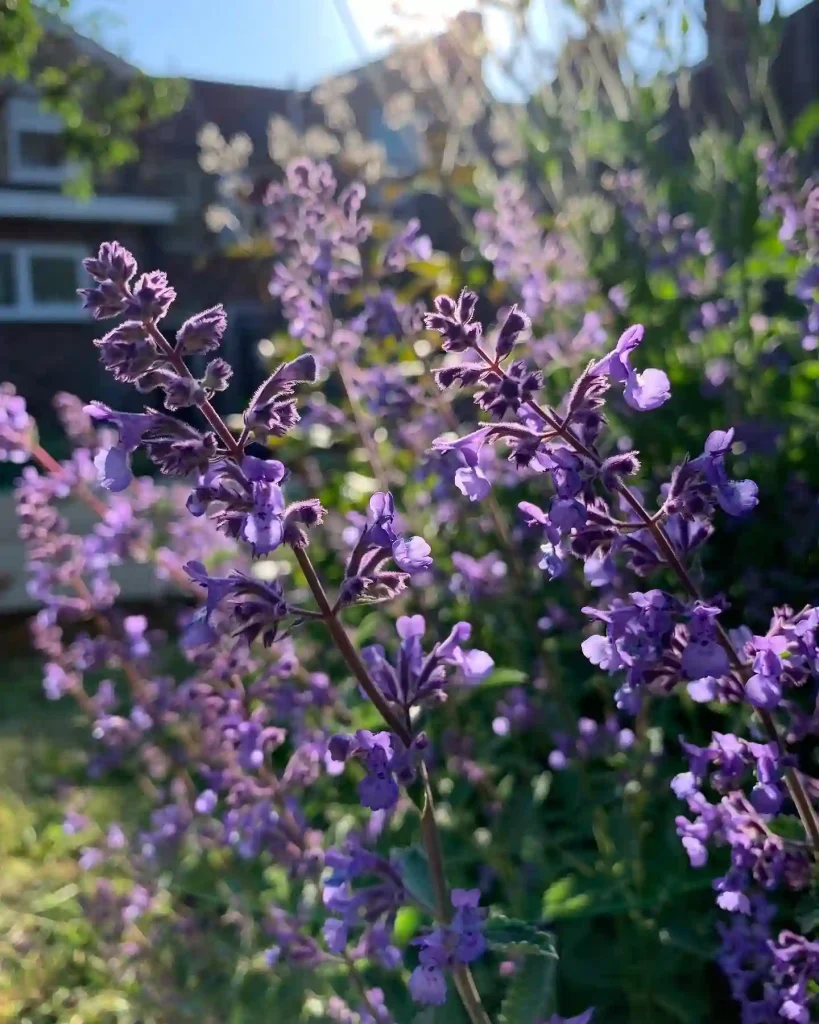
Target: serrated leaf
[(513, 936), (452, 1012), (530, 997), (413, 867)]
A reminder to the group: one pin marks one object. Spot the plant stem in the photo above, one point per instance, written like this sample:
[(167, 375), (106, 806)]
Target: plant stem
[(359, 983), (462, 975), (347, 649), (365, 432), (219, 426), (464, 982), (431, 838), (50, 465), (806, 810)]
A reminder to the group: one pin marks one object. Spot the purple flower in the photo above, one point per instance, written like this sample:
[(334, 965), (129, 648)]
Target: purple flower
[(114, 464), (470, 479), (736, 497), (217, 375), (514, 324), (112, 263), (263, 526), (453, 320), (703, 690), (704, 655), (206, 802), (417, 678), (202, 332), (255, 608), (427, 983), (467, 925), (104, 300), (408, 244), (335, 935), (583, 1018), (381, 518), (764, 687), (643, 391), (378, 790), (411, 554), (151, 297), (16, 426), (460, 942)]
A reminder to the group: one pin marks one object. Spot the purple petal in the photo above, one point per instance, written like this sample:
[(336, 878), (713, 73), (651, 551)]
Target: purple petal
[(647, 390)]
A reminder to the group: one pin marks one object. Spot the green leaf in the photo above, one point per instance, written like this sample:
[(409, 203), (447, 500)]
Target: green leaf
[(418, 794), (809, 920), (531, 994), (806, 126), (413, 867), (514, 936), (452, 1012), (504, 677), (407, 923)]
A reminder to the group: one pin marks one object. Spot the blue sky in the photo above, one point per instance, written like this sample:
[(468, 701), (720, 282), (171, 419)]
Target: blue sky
[(265, 42), (269, 42)]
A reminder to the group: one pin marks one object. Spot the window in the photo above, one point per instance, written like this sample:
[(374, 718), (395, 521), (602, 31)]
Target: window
[(39, 281), (36, 149), (8, 279)]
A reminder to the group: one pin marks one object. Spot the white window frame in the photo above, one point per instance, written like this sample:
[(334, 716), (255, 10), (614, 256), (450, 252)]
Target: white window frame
[(24, 115), (26, 309)]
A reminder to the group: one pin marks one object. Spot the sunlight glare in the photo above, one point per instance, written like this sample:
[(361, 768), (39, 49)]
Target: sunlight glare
[(417, 17)]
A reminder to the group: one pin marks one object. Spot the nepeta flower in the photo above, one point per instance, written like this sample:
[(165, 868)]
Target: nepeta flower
[(365, 579), (643, 391), (734, 496), (128, 353), (704, 655), (454, 321), (470, 478), (17, 428), (364, 893), (387, 762), (114, 464), (254, 608), (459, 942), (411, 554), (151, 296), (202, 332), (764, 688), (417, 677), (408, 244)]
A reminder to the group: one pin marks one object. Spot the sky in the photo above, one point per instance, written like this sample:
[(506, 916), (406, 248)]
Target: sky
[(289, 43), (261, 42)]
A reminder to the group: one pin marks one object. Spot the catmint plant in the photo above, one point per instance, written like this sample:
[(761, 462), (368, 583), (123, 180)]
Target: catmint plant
[(239, 717)]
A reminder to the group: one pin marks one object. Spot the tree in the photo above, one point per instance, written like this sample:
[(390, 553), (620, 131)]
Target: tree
[(104, 102)]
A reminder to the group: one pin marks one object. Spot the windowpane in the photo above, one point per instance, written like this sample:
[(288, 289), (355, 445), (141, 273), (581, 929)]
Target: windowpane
[(8, 284), (54, 279), (42, 149)]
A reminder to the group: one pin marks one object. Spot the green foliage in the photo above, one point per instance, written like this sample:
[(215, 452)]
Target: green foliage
[(103, 111), (531, 994), (413, 867)]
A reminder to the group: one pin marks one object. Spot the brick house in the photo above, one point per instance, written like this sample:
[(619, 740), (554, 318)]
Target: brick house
[(155, 207)]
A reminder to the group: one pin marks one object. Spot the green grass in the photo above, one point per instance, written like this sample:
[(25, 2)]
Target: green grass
[(50, 972)]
